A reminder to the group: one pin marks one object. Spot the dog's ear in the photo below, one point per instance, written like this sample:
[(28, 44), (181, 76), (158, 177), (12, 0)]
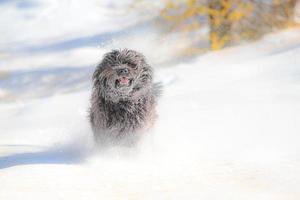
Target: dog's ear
[(96, 75), (107, 60)]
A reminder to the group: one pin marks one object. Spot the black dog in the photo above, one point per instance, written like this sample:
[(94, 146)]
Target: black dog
[(123, 98)]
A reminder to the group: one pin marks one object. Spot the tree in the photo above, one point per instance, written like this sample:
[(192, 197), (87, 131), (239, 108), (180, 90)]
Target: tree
[(228, 21)]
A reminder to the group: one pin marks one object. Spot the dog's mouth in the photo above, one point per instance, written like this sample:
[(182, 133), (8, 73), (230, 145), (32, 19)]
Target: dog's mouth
[(123, 82)]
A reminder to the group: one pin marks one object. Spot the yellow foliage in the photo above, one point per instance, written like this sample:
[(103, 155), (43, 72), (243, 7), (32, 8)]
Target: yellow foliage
[(230, 10), (222, 15), (217, 42), (191, 3), (235, 15)]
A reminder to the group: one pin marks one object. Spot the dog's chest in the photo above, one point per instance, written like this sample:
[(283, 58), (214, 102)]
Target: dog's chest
[(126, 116)]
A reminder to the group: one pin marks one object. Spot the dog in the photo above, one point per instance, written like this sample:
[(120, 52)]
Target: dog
[(123, 98)]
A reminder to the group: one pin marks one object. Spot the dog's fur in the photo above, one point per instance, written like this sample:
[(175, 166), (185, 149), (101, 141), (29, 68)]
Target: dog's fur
[(119, 114)]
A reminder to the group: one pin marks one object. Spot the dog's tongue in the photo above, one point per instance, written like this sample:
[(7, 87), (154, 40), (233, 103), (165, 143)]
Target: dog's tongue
[(124, 80)]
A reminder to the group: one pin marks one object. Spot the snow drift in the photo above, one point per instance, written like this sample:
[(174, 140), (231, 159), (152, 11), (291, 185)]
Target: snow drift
[(228, 128)]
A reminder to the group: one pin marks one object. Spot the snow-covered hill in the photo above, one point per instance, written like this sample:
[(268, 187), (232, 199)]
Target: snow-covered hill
[(228, 128)]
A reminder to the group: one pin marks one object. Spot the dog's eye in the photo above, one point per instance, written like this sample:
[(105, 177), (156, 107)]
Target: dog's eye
[(130, 64)]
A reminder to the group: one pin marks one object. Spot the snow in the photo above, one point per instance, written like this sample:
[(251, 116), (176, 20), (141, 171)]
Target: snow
[(228, 125)]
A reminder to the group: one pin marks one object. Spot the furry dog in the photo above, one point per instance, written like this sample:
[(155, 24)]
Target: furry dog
[(123, 98)]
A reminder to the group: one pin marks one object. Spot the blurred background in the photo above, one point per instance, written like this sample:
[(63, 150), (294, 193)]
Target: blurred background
[(52, 46)]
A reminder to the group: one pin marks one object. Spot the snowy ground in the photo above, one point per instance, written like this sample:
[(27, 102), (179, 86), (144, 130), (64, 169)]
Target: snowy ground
[(228, 126)]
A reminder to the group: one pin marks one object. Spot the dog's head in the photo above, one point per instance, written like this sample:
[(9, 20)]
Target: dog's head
[(122, 74)]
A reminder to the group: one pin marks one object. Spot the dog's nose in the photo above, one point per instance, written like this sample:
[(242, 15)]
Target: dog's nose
[(122, 71)]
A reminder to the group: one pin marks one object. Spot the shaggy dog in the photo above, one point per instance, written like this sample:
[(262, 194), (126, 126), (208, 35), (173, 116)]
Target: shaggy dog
[(123, 98)]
